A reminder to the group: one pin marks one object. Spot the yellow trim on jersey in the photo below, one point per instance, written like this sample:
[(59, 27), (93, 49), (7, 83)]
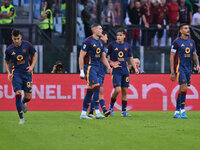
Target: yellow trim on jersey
[(88, 71), (178, 73), (12, 73), (89, 60)]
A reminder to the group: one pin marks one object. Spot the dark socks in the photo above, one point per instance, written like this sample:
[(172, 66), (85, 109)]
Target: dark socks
[(112, 102), (19, 106), (183, 96), (178, 102), (124, 104)]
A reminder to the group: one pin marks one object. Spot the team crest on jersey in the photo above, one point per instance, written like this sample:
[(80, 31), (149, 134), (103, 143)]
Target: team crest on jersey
[(125, 49), (24, 50), (13, 53), (116, 49), (191, 44), (94, 45), (101, 45), (182, 45)]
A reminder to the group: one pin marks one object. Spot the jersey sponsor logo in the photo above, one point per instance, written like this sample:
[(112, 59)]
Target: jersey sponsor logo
[(13, 53), (116, 49), (24, 50), (94, 45), (182, 45)]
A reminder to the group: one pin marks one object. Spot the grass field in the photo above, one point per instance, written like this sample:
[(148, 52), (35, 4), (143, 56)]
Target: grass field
[(65, 131)]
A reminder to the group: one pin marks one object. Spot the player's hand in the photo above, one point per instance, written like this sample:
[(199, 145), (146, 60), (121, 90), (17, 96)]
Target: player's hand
[(136, 71), (172, 76), (115, 64), (82, 74), (29, 69), (9, 76), (198, 68)]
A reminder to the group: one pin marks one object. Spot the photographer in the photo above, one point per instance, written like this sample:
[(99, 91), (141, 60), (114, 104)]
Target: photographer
[(58, 67)]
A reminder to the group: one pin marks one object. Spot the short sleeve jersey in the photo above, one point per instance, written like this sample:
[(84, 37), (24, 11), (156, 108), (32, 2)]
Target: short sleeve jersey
[(94, 48), (184, 51), (20, 56), (120, 52)]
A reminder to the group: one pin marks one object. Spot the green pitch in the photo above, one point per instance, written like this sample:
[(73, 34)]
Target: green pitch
[(65, 131)]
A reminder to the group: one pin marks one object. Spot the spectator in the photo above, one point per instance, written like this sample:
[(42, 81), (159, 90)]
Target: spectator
[(7, 16), (85, 16), (185, 13), (173, 19), (110, 15), (46, 19), (147, 19), (135, 15), (137, 63), (161, 14), (58, 67), (196, 16)]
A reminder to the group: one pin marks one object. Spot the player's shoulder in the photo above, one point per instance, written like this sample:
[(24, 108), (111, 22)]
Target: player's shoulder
[(111, 43), (24, 42), (191, 40), (88, 40), (10, 47), (126, 44), (176, 41)]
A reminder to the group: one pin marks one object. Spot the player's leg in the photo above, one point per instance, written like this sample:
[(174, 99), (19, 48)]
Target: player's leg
[(27, 87), (17, 86), (125, 85), (116, 79), (102, 102), (178, 105), (91, 112), (182, 80)]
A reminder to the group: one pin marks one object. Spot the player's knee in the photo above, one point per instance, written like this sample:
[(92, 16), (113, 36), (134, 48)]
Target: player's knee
[(18, 96), (117, 90), (184, 88), (18, 93)]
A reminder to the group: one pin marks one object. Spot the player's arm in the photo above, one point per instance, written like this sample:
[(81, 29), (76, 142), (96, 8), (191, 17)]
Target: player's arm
[(30, 68), (105, 61), (8, 70), (134, 65), (196, 60), (81, 63), (172, 75)]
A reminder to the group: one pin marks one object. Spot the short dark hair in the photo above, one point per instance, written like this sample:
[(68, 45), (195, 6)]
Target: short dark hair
[(95, 25), (121, 30), (104, 33), (183, 24), (16, 32)]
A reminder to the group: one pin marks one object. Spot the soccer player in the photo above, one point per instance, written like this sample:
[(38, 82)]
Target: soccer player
[(182, 51), (19, 54), (102, 72), (91, 54), (120, 51)]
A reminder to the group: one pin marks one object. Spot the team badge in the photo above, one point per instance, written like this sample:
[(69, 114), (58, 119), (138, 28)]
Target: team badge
[(125, 49), (13, 53), (190, 44), (182, 45), (24, 50), (116, 49), (101, 45)]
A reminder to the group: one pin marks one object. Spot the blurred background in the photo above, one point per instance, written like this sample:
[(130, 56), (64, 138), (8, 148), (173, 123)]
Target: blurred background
[(151, 27)]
